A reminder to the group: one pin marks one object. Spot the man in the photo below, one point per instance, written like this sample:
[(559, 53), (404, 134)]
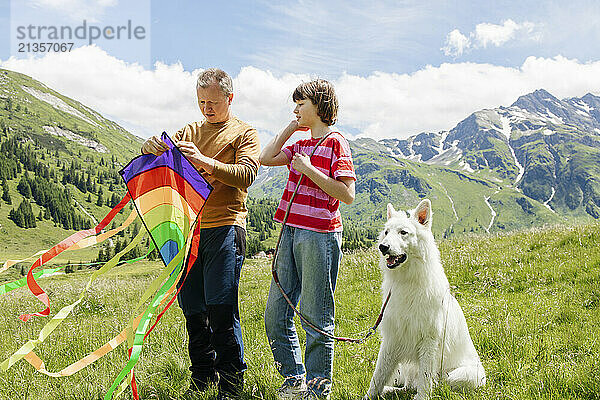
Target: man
[(225, 150)]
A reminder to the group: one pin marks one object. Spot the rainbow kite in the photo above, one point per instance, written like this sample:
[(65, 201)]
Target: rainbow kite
[(168, 194)]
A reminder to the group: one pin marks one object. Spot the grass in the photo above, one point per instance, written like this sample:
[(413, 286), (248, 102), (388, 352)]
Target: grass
[(531, 300)]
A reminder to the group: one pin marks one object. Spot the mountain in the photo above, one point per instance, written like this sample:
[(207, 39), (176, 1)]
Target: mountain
[(40, 115), (535, 162), (545, 147), (59, 163)]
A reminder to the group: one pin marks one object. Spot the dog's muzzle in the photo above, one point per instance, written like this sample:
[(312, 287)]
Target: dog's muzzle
[(391, 260)]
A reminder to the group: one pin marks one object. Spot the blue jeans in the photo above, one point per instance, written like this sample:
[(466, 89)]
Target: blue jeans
[(307, 267), (209, 300)]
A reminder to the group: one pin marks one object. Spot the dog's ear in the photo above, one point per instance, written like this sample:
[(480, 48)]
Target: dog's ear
[(423, 213), (390, 210)]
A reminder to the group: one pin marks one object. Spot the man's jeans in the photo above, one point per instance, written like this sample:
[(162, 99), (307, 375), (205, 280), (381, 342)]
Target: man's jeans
[(209, 300), (307, 267)]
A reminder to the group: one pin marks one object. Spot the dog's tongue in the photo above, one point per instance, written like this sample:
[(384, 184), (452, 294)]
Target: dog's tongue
[(391, 260)]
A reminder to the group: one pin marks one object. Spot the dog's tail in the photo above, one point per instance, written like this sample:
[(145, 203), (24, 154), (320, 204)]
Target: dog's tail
[(468, 376)]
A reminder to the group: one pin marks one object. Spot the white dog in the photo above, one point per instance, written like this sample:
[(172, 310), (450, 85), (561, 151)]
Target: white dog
[(425, 337)]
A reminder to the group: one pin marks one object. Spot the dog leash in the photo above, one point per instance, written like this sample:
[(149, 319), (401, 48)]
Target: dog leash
[(371, 330)]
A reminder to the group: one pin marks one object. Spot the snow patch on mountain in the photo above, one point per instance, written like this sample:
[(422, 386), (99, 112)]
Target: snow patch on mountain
[(554, 118), (506, 131), (584, 105), (92, 144), (57, 103), (440, 148), (546, 203), (465, 165), (451, 201), (448, 156), (492, 211)]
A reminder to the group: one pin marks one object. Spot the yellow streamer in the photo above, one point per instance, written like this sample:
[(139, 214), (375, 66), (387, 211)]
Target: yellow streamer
[(85, 242), (65, 311)]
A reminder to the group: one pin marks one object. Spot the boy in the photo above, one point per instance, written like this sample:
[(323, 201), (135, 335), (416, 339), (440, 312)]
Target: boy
[(310, 248)]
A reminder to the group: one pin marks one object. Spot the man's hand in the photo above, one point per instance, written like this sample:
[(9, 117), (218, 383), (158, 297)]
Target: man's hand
[(301, 163), (196, 157), (155, 146)]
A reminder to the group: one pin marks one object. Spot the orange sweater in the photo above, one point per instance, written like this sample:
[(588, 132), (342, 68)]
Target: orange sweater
[(235, 147)]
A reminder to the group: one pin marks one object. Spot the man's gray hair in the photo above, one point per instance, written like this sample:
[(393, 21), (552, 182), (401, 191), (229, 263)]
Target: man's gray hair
[(215, 75)]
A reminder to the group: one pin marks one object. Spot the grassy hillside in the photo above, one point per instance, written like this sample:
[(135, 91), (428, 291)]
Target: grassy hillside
[(531, 299), (29, 105), (42, 132)]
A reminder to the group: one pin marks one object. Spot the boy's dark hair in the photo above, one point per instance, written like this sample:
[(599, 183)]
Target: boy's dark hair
[(322, 95)]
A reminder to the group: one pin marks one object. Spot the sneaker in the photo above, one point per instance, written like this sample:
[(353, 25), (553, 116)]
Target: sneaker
[(291, 391)]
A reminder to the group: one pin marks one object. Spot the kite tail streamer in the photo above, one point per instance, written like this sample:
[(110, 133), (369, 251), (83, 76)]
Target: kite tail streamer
[(10, 286), (59, 248), (172, 272), (78, 365), (192, 256), (89, 241), (65, 311), (9, 263)]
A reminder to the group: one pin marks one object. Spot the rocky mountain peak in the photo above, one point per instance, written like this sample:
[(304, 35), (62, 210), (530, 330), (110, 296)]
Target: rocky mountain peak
[(539, 101)]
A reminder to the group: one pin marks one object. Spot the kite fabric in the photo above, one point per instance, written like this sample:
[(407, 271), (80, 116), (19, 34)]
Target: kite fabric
[(168, 194)]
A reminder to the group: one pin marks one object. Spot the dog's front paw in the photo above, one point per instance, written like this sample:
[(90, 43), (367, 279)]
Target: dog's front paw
[(392, 389)]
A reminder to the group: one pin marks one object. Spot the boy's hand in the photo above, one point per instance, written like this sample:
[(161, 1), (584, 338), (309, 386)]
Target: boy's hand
[(196, 157), (155, 146), (293, 127), (301, 163)]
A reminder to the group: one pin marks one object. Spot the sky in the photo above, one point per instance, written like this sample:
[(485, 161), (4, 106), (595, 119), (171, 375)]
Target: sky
[(399, 67)]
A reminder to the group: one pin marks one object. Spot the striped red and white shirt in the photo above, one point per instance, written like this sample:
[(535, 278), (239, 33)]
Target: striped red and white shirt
[(312, 208)]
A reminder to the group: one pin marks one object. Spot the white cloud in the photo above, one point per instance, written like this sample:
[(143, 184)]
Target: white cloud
[(77, 10), (456, 43), (148, 101), (487, 34), (378, 105)]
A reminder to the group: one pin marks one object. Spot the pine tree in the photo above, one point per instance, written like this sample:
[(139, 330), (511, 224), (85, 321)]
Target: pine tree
[(23, 215), (100, 201), (5, 192), (114, 200), (23, 187)]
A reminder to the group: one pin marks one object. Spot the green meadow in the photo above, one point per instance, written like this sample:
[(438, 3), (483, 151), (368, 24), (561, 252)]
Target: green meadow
[(531, 299)]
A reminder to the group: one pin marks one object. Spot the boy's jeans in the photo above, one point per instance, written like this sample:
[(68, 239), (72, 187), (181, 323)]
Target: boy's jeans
[(307, 267)]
